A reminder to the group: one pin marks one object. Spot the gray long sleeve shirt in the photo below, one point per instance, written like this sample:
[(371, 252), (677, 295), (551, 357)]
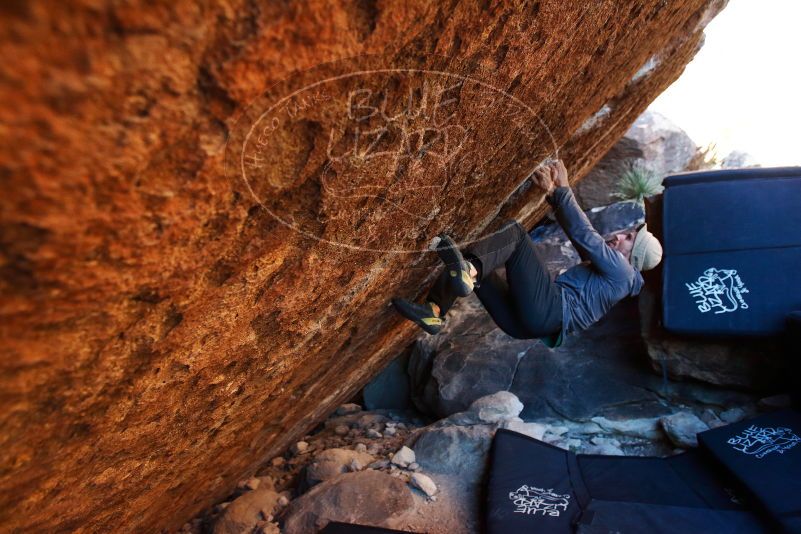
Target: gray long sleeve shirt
[(603, 278)]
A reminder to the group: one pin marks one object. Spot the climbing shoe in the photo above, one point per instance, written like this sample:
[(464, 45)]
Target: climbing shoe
[(421, 314), (456, 266)]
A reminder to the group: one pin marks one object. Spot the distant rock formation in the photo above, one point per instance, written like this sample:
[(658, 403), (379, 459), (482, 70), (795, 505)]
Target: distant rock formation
[(662, 147), (195, 260)]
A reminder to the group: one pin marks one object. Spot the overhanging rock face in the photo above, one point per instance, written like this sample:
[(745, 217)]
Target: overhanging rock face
[(192, 276)]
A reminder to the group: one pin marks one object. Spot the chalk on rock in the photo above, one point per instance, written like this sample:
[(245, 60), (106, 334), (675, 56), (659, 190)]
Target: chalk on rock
[(403, 457), (424, 484)]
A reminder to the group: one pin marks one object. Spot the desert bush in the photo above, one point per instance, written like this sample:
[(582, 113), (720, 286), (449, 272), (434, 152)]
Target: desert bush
[(705, 158), (638, 182)]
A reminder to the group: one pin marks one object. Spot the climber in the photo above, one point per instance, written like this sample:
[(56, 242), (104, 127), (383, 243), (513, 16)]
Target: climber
[(528, 304)]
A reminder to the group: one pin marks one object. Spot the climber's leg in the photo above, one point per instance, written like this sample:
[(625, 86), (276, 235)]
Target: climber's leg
[(457, 268), (497, 300), (492, 251), (537, 299)]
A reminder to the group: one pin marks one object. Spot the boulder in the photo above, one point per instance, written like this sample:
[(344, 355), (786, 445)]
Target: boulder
[(639, 428), (682, 428), (333, 462), (368, 498), (500, 406), (189, 284), (738, 159), (654, 140), (455, 450), (390, 389), (404, 457), (747, 364), (247, 510), (450, 371)]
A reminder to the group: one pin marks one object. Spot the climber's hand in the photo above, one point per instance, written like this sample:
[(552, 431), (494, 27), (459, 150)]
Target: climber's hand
[(559, 173), (542, 177)]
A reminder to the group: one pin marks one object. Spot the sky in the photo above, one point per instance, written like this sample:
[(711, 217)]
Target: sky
[(743, 89)]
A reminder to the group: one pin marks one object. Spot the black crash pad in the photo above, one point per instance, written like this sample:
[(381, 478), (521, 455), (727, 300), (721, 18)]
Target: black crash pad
[(764, 455), (536, 487)]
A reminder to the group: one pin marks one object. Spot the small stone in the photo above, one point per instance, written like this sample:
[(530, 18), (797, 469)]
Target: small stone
[(424, 484), (711, 419), (331, 463), (374, 449), (300, 447), (360, 447), (390, 431), (187, 527), (534, 430), (283, 500), (414, 466), (557, 430), (341, 430), (355, 465), (347, 409), (682, 428), (598, 440), (733, 415), (372, 433), (379, 464), (403, 457), (278, 461), (497, 407), (568, 444)]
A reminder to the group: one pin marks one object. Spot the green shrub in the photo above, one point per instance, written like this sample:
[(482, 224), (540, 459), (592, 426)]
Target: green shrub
[(638, 182)]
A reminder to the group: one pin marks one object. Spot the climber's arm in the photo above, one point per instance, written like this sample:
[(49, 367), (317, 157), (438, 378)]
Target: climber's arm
[(588, 242)]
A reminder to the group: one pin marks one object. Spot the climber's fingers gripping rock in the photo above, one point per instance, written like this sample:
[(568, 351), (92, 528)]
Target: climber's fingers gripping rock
[(551, 175)]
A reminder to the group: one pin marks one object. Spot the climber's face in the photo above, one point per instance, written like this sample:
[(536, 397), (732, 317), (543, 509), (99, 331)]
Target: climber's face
[(623, 242)]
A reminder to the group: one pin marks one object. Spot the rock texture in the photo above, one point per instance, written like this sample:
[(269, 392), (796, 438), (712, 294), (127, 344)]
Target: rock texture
[(162, 330)]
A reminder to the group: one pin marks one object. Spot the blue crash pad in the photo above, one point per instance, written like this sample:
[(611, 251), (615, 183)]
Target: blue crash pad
[(732, 251)]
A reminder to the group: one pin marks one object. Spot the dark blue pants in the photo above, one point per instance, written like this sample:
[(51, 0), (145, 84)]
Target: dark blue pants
[(527, 304)]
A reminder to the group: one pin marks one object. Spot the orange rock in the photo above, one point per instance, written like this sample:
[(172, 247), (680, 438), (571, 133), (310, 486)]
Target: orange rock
[(168, 320)]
